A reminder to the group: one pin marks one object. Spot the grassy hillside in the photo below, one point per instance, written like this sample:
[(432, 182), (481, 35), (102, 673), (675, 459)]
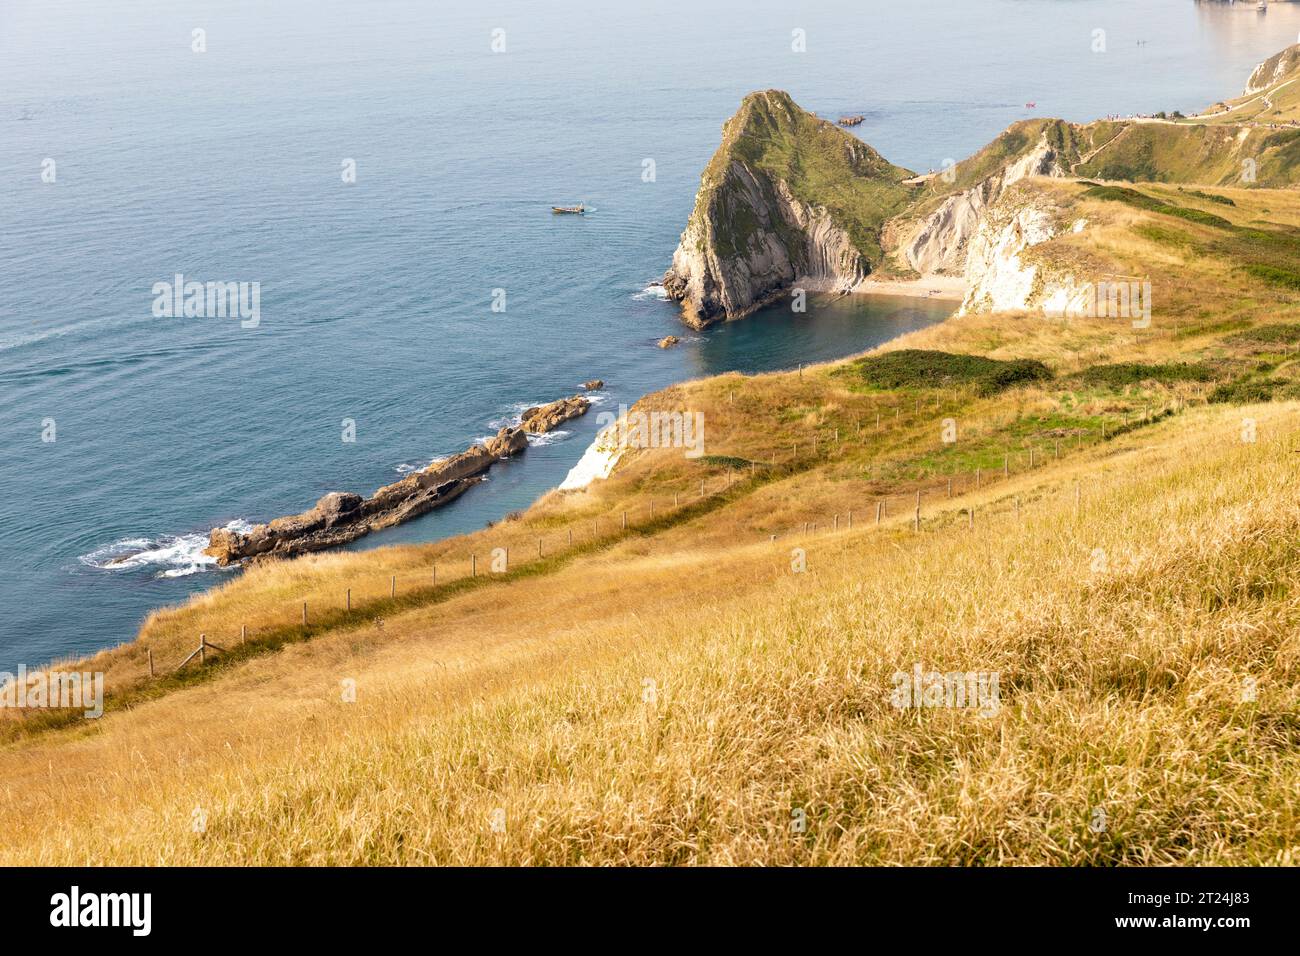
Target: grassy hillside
[(685, 687), (696, 702), (1248, 142)]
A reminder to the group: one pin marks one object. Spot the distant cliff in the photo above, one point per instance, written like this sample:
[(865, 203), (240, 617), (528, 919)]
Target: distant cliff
[(789, 198)]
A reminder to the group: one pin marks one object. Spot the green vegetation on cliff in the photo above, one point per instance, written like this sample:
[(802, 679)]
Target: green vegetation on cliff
[(820, 164)]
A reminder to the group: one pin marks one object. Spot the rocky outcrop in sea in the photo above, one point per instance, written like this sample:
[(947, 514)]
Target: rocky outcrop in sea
[(786, 197), (340, 516)]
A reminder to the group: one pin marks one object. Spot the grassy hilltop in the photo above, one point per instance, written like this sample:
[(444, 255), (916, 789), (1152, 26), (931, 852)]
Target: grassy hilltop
[(692, 662)]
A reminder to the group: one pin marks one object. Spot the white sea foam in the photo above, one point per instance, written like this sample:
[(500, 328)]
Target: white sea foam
[(548, 438), (176, 556), (513, 418), (651, 292), (405, 468)]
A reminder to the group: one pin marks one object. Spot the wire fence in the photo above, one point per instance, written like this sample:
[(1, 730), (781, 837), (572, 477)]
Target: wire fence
[(522, 554)]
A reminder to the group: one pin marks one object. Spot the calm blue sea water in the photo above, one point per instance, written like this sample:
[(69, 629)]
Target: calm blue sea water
[(225, 165)]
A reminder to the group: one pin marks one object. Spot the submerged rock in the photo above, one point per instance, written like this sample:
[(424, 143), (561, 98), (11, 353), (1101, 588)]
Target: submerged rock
[(594, 383), (668, 341)]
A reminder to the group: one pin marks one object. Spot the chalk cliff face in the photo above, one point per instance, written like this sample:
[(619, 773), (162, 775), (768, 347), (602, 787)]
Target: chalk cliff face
[(790, 199), (938, 242), (1275, 68), (787, 197), (999, 276), (1002, 277)]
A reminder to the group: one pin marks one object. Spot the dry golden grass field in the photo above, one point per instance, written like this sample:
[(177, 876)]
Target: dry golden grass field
[(712, 682)]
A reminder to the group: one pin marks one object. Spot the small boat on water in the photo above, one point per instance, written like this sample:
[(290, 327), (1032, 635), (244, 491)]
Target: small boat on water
[(571, 210)]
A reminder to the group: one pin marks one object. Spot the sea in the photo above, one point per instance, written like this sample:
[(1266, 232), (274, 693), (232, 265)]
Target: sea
[(384, 172)]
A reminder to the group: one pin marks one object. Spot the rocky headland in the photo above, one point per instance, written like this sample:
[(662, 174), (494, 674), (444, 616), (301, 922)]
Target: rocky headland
[(793, 201), (787, 195), (340, 516)]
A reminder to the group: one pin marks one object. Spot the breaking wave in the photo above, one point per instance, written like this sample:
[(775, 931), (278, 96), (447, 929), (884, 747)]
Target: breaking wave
[(174, 556)]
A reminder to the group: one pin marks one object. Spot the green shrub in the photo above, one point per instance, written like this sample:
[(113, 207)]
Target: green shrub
[(1163, 236), (724, 461), (1133, 373), (1245, 391), (1263, 336), (1286, 278), (920, 368), (1222, 200), (1138, 200)]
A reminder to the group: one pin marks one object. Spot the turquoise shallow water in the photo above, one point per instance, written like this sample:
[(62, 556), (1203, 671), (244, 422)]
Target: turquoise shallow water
[(376, 296)]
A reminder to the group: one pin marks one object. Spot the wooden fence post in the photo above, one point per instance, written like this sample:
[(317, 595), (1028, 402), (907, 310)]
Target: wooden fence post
[(918, 508), (850, 519), (624, 520), (150, 663), (203, 649), (473, 565), (349, 599), (949, 487), (1006, 466), (970, 515), (392, 587), (880, 507), (571, 537), (539, 547), (304, 613), (243, 634)]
